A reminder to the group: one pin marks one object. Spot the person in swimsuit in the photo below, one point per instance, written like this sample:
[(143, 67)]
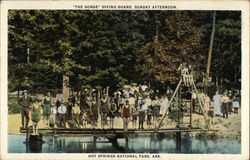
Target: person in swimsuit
[(126, 113), (112, 109), (36, 115), (94, 111), (47, 103), (104, 109), (134, 117)]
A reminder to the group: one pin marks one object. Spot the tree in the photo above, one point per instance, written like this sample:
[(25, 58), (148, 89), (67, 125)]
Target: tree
[(178, 42), (227, 50), (100, 48), (92, 47)]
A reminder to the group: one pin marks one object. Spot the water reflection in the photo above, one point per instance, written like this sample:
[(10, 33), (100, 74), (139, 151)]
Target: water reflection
[(160, 143), (33, 147), (33, 144)]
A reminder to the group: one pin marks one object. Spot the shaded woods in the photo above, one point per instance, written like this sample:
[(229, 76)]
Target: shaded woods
[(113, 48)]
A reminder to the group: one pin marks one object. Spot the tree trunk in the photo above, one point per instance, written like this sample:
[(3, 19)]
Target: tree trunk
[(210, 47), (28, 55), (217, 82), (221, 86)]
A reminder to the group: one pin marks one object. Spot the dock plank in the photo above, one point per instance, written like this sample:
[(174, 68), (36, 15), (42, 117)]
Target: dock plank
[(98, 131)]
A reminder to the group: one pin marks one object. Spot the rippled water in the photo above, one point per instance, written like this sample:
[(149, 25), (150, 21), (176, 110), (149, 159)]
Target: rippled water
[(132, 144)]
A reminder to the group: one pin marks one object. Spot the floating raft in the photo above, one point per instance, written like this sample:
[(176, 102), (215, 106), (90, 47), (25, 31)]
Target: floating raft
[(98, 131)]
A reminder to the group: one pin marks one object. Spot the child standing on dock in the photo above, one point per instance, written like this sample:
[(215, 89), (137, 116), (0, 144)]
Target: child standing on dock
[(36, 116)]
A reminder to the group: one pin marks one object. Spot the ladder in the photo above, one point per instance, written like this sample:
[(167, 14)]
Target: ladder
[(172, 98)]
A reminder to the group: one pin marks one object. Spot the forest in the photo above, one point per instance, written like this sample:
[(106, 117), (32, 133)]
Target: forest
[(114, 48)]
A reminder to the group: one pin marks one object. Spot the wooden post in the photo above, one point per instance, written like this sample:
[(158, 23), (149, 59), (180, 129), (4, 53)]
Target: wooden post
[(178, 141), (94, 142), (126, 144), (196, 91), (169, 105), (210, 48), (65, 88), (191, 111), (179, 108)]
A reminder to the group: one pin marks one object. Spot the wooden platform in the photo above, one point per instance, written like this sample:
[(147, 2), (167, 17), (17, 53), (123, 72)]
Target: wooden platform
[(89, 131)]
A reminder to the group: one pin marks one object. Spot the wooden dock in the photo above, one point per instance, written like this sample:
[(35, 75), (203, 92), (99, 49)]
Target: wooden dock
[(98, 131)]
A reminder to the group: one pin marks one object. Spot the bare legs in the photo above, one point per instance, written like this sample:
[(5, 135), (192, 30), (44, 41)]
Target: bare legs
[(125, 124), (35, 128), (103, 119)]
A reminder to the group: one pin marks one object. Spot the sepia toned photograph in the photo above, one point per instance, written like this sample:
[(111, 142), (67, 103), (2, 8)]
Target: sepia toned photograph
[(125, 81)]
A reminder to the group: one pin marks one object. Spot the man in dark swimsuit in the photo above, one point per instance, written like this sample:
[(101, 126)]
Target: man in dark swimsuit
[(25, 102)]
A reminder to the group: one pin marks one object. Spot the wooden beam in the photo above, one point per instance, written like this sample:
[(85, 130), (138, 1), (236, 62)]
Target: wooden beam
[(116, 132), (172, 98), (196, 91)]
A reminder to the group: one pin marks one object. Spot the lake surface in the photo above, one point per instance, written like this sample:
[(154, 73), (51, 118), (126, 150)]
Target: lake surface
[(132, 144)]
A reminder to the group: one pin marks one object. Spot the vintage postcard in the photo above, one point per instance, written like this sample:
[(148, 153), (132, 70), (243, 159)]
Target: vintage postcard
[(124, 80)]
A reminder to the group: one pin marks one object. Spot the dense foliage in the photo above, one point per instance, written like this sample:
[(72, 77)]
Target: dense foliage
[(100, 48)]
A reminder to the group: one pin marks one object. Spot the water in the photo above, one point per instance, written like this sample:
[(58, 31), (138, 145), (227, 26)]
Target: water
[(132, 144)]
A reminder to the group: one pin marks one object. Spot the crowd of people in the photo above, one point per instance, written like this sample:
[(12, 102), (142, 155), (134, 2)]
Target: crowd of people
[(131, 103), (134, 103)]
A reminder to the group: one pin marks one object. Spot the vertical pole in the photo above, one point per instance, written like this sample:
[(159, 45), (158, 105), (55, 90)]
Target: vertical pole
[(191, 112), (27, 140), (217, 82), (221, 85), (94, 142), (28, 55), (210, 54), (178, 141), (126, 140), (179, 108), (210, 47), (201, 107)]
